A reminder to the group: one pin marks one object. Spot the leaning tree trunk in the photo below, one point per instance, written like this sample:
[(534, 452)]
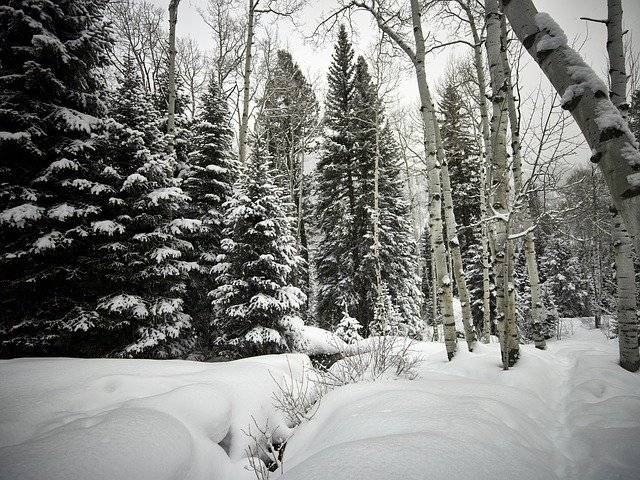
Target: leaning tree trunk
[(171, 116), (617, 61), (585, 96), (500, 186), (435, 200), (627, 309), (537, 307), (246, 94)]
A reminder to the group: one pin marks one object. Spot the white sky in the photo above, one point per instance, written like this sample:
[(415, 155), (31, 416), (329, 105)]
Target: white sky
[(314, 59)]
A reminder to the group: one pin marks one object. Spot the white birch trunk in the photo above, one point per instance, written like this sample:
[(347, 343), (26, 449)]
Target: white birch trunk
[(478, 61), (246, 94), (537, 307), (617, 61), (500, 185), (586, 98), (627, 308), (484, 238), (623, 248), (435, 201), (457, 266), (171, 115)]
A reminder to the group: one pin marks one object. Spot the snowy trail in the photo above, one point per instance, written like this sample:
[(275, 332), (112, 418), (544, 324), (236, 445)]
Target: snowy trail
[(569, 412)]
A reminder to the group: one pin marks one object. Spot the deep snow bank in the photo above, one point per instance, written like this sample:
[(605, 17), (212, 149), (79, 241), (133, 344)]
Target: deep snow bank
[(135, 419), (568, 412)]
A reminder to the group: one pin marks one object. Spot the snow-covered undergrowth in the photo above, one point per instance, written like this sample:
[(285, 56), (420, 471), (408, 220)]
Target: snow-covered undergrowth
[(568, 412)]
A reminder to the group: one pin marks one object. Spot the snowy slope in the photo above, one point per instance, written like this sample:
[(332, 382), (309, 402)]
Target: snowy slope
[(135, 419), (569, 412)]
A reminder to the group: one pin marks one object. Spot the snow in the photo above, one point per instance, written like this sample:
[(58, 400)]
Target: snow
[(135, 419), (318, 341), (21, 215), (554, 37), (108, 227), (569, 412)]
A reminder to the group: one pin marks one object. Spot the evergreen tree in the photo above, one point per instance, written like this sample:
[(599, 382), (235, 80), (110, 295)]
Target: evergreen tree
[(209, 183), (348, 328), (398, 263), (346, 260), (288, 119), (257, 309), (51, 196), (143, 255), (337, 253), (463, 160)]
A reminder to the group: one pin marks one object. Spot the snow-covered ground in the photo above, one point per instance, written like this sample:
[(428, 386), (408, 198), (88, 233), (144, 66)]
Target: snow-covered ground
[(568, 412)]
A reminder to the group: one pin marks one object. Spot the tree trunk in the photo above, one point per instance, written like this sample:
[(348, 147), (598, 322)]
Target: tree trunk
[(500, 184), (246, 94), (627, 309), (457, 265), (617, 61), (435, 200), (171, 116), (537, 307), (478, 62), (585, 96)]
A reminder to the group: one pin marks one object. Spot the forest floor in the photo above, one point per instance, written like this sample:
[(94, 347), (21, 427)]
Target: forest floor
[(567, 412)]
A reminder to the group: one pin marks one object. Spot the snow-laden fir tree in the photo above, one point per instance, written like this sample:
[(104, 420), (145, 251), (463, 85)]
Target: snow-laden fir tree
[(143, 255), (256, 307), (337, 253), (463, 161), (397, 259), (288, 118), (348, 328), (212, 171), (346, 261), (50, 193)]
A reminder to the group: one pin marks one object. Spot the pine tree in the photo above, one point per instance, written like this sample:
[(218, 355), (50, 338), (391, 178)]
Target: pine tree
[(257, 309), (213, 169), (143, 255), (464, 162), (398, 263), (51, 196), (289, 118), (348, 328), (337, 253), (347, 263)]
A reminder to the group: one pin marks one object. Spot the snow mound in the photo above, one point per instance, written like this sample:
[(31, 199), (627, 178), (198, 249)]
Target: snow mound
[(136, 419), (567, 412)]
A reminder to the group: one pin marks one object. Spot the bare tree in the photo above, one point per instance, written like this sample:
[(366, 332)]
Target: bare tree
[(191, 70)]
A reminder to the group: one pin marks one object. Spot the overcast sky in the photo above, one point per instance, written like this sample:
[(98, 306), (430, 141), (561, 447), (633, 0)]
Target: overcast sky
[(314, 59)]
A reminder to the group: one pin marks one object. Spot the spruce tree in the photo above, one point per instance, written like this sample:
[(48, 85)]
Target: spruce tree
[(289, 117), (143, 256), (212, 170), (463, 160), (398, 263), (337, 257), (51, 195), (256, 307)]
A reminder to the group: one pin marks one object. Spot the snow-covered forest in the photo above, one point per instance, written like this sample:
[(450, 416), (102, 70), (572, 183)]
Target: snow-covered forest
[(220, 259)]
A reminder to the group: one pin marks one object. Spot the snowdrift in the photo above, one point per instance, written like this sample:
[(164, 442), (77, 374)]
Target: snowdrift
[(136, 419), (566, 413)]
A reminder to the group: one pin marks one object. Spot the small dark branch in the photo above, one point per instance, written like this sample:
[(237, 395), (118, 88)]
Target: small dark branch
[(596, 20)]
